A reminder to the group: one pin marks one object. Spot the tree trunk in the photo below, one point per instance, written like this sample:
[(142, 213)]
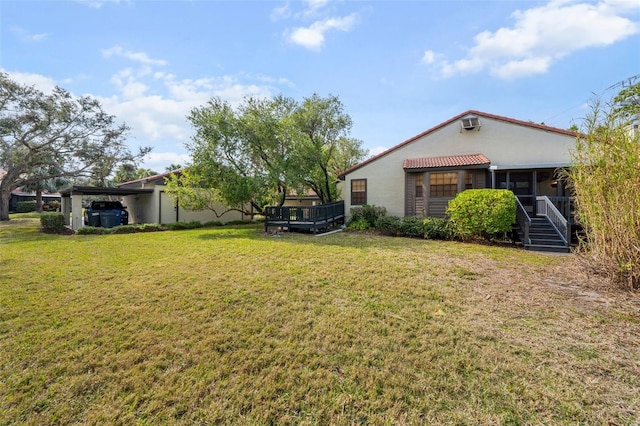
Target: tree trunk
[(38, 201), (5, 196)]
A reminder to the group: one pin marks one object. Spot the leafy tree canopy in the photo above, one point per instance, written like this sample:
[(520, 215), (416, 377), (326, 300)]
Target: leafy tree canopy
[(128, 171), (47, 136), (258, 153), (626, 104)]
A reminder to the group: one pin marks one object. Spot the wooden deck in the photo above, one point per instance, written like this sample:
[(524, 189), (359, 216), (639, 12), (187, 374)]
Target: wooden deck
[(313, 218)]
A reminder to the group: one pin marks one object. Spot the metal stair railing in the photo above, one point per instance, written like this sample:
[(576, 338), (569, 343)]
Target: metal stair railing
[(524, 221), (546, 208)]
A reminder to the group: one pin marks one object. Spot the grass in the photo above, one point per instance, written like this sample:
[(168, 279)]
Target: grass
[(231, 326)]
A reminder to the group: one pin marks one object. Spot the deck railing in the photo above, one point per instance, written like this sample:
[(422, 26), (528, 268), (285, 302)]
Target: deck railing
[(304, 217), (524, 221), (545, 207)]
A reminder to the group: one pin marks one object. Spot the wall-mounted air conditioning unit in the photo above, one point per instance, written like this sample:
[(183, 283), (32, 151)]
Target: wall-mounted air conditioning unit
[(470, 123)]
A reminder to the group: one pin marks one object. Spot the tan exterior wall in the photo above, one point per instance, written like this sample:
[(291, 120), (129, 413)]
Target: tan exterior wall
[(507, 145), (140, 208), (159, 207)]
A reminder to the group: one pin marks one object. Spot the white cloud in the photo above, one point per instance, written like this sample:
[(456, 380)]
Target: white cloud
[(429, 57), (25, 35), (541, 36), (313, 6), (377, 150), (281, 12), (140, 57), (157, 161), (97, 4), (40, 82), (155, 105), (313, 37)]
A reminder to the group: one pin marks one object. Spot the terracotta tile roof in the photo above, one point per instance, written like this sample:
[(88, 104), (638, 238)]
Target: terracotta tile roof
[(450, 161)]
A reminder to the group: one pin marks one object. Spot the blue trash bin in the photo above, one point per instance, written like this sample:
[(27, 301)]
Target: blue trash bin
[(110, 218)]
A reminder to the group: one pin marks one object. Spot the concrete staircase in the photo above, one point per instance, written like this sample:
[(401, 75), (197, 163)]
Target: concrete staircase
[(543, 236)]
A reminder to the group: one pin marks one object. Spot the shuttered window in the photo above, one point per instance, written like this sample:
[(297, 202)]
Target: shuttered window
[(419, 185), (358, 192), (468, 180)]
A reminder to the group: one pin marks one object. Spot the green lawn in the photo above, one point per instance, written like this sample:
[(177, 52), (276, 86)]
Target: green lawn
[(228, 325)]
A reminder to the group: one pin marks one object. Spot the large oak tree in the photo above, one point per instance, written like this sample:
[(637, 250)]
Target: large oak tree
[(47, 136), (258, 153)]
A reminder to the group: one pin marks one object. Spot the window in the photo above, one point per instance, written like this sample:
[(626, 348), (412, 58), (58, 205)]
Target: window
[(468, 180), (419, 185), (358, 191), (443, 184)]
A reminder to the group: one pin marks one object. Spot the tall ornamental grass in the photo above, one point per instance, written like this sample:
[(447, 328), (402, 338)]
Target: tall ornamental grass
[(606, 181)]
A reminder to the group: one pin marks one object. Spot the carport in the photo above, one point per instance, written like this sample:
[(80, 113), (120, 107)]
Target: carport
[(72, 200)]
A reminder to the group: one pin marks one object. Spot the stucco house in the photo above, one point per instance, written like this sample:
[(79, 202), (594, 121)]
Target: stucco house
[(474, 149)]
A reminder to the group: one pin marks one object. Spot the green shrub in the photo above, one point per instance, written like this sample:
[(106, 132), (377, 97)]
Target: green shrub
[(137, 227), (389, 225), (212, 223), (151, 227), (412, 227), (26, 207), (369, 214), (52, 221), (177, 226), (359, 225), (92, 230), (238, 222), (437, 228), (484, 213), (125, 229)]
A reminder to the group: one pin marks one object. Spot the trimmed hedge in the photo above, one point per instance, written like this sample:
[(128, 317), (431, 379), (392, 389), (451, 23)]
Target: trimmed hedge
[(52, 221), (26, 207), (437, 228), (394, 226), (389, 225), (412, 227), (177, 226), (123, 229), (482, 213), (92, 230)]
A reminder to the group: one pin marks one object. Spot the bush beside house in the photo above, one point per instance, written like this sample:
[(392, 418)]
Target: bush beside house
[(482, 213), (472, 214)]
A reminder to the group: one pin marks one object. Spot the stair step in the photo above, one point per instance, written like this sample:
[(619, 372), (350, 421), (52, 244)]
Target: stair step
[(547, 248), (544, 242), (543, 236)]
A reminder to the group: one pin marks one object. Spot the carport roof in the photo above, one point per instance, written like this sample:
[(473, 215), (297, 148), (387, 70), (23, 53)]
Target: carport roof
[(97, 190)]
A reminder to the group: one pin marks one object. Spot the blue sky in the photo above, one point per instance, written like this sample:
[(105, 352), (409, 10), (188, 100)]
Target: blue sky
[(399, 67)]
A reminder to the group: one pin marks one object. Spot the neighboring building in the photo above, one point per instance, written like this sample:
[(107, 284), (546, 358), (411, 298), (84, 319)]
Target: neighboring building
[(146, 202), (18, 195), (308, 198), (159, 207), (419, 176)]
